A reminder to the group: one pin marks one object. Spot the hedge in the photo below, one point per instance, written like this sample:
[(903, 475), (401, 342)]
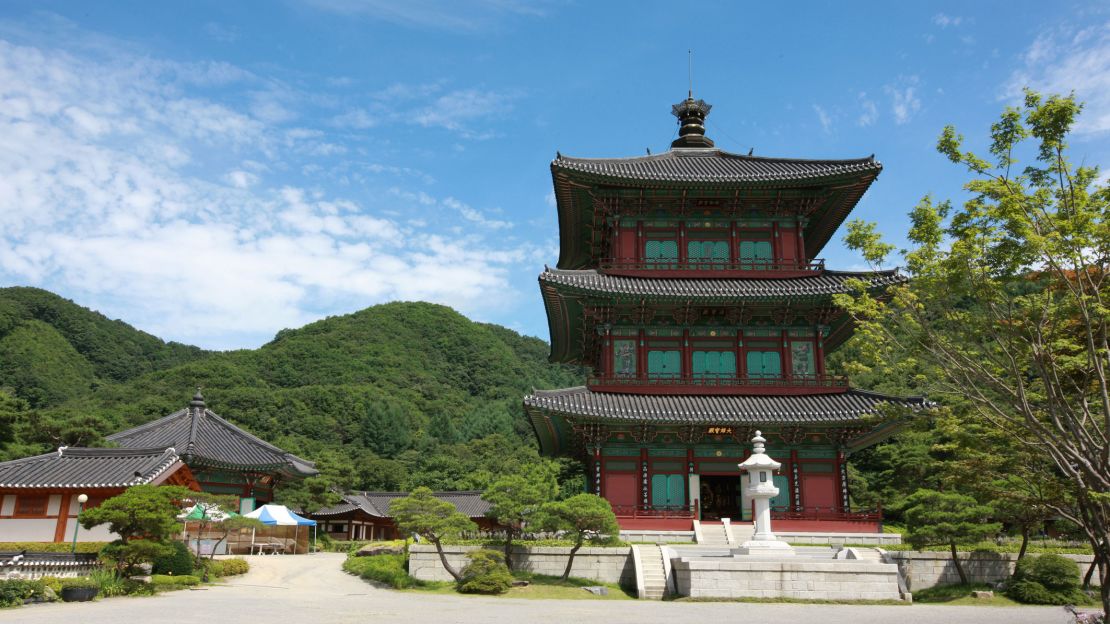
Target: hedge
[(391, 570), (51, 547)]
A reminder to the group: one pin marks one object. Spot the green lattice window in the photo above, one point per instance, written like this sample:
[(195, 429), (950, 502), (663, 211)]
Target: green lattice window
[(664, 364), (707, 254), (755, 254), (711, 365), (661, 253), (764, 364)]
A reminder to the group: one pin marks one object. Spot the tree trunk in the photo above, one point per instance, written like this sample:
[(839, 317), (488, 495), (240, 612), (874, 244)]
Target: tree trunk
[(1104, 586), (509, 547), (1090, 573), (1024, 543), (443, 559), (570, 560), (959, 567)]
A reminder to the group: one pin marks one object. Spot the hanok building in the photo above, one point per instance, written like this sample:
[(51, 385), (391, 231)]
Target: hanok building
[(39, 495), (224, 458), (688, 281), (366, 516)]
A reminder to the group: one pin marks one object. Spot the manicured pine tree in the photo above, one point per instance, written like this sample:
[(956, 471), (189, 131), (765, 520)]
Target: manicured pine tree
[(947, 519)]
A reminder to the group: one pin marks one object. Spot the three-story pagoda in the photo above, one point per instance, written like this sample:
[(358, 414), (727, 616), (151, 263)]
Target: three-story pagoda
[(688, 283)]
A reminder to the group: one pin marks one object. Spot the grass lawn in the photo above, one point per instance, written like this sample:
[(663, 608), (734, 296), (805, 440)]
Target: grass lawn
[(795, 601), (540, 588), (961, 595)]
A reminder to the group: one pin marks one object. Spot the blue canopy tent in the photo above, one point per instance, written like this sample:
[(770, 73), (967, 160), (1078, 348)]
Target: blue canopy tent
[(280, 515)]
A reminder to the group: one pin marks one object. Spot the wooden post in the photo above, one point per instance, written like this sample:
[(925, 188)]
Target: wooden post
[(63, 517)]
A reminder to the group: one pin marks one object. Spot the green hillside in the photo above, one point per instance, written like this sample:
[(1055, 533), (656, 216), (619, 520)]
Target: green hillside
[(396, 395)]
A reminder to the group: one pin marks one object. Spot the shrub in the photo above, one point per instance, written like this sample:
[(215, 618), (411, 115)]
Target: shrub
[(109, 582), (163, 581), (229, 567), (178, 562), (52, 547), (1046, 579), (13, 592), (53, 582), (391, 570), (485, 574), (81, 582)]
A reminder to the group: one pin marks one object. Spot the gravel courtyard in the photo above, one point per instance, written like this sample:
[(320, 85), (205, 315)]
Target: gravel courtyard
[(314, 589)]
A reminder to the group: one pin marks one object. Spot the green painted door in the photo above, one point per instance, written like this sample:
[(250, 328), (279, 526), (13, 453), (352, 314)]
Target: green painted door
[(664, 364), (707, 254), (782, 501), (661, 253), (668, 491), (755, 254)]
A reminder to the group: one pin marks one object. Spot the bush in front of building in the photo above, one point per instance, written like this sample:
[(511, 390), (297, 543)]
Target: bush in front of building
[(391, 570), (178, 562), (1046, 579), (15, 592), (229, 567), (485, 574), (168, 582)]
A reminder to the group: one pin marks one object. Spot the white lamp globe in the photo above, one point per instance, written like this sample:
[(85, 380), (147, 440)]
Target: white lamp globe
[(82, 498)]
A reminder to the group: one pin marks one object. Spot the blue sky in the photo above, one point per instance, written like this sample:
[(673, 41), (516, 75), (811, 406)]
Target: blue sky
[(213, 172)]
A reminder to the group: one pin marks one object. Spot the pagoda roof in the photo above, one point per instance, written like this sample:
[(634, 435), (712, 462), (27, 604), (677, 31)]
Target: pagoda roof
[(715, 166), (549, 409), (90, 468), (204, 438), (593, 282), (377, 504)]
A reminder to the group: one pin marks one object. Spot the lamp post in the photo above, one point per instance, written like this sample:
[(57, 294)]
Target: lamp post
[(81, 500)]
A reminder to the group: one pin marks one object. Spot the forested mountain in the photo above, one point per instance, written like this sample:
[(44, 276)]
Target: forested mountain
[(393, 396)]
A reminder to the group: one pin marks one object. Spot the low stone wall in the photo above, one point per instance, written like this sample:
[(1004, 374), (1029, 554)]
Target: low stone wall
[(37, 565), (923, 570), (608, 565), (839, 539), (798, 578), (657, 537)]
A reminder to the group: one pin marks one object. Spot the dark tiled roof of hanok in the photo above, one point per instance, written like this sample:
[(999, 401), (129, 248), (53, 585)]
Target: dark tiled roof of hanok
[(590, 281), (714, 165), (89, 468), (203, 438), (468, 502), (818, 409)]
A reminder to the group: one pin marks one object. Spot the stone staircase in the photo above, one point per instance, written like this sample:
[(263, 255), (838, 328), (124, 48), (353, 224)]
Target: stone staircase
[(742, 532), (713, 535), (654, 574)]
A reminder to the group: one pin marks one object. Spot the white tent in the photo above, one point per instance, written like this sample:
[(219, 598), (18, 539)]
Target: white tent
[(279, 515)]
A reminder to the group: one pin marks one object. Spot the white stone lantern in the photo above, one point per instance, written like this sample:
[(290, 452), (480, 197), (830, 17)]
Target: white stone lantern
[(761, 489)]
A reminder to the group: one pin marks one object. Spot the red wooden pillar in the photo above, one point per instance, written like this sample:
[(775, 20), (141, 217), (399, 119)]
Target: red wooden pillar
[(63, 517), (641, 355), (793, 484), (800, 254), (687, 356), (841, 485), (820, 338), (734, 243), (787, 365), (597, 476), (776, 243), (645, 478), (741, 361), (640, 244)]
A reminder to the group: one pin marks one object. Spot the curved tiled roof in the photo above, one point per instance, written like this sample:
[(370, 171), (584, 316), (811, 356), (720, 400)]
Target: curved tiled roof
[(88, 468), (201, 436), (468, 502), (714, 165), (590, 281), (837, 408)]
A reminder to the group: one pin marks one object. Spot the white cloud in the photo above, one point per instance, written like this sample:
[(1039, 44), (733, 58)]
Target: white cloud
[(870, 110), (944, 21), (904, 99), (823, 117), (102, 198), (474, 16), (1070, 59)]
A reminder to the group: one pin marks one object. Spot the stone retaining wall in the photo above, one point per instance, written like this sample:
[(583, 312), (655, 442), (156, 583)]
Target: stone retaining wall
[(608, 565), (839, 539), (923, 570), (798, 578)]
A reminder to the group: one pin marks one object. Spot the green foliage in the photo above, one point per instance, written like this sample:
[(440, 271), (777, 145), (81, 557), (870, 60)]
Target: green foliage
[(128, 556), (109, 582), (81, 582), (429, 517), (14, 591), (517, 499), (179, 561), (146, 511), (584, 517), (946, 518), (486, 573), (1046, 579), (230, 567), (165, 582), (52, 547), (391, 570)]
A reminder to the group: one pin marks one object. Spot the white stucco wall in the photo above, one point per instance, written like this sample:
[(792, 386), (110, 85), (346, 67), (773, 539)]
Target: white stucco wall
[(27, 529)]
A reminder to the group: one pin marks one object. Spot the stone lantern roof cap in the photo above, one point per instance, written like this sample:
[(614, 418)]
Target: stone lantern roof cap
[(759, 459)]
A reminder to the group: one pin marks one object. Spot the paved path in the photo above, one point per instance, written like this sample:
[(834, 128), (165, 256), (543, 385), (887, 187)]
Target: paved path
[(312, 589)]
